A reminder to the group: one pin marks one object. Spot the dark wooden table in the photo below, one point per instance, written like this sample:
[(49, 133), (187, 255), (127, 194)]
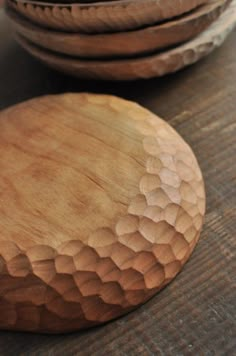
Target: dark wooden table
[(195, 314)]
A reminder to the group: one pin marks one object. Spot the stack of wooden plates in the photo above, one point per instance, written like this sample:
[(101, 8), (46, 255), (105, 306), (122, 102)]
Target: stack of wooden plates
[(121, 39)]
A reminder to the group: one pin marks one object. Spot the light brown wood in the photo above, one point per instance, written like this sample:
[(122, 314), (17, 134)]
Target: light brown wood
[(102, 203), (123, 43), (187, 316), (144, 67), (74, 1), (105, 16)]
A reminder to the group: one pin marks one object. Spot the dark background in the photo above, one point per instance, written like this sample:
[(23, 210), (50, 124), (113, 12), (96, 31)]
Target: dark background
[(195, 314)]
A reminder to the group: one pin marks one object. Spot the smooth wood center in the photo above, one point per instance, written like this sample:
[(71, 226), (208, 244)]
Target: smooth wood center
[(68, 166)]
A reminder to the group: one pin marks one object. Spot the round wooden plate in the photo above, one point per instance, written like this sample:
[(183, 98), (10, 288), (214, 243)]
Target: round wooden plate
[(72, 1), (143, 67), (102, 203), (123, 43), (103, 16)]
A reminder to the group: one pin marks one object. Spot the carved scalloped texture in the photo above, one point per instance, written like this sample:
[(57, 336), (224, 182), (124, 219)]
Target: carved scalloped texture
[(155, 65), (75, 284), (122, 43), (105, 17)]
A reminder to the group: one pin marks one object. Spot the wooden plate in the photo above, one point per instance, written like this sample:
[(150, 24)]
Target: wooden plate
[(143, 67), (73, 1), (124, 43), (102, 203), (104, 16)]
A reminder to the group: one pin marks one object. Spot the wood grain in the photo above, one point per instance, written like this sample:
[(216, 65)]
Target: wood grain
[(142, 67), (102, 204), (193, 315), (124, 43), (105, 16)]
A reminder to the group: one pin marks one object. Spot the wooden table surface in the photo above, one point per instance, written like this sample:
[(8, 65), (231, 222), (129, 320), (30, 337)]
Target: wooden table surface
[(195, 314)]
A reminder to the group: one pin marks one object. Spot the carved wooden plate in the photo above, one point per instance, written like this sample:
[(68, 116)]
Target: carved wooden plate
[(102, 16), (123, 43), (102, 203), (143, 67)]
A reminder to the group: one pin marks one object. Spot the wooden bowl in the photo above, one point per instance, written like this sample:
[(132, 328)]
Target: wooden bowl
[(123, 43), (102, 203), (103, 16), (143, 67)]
